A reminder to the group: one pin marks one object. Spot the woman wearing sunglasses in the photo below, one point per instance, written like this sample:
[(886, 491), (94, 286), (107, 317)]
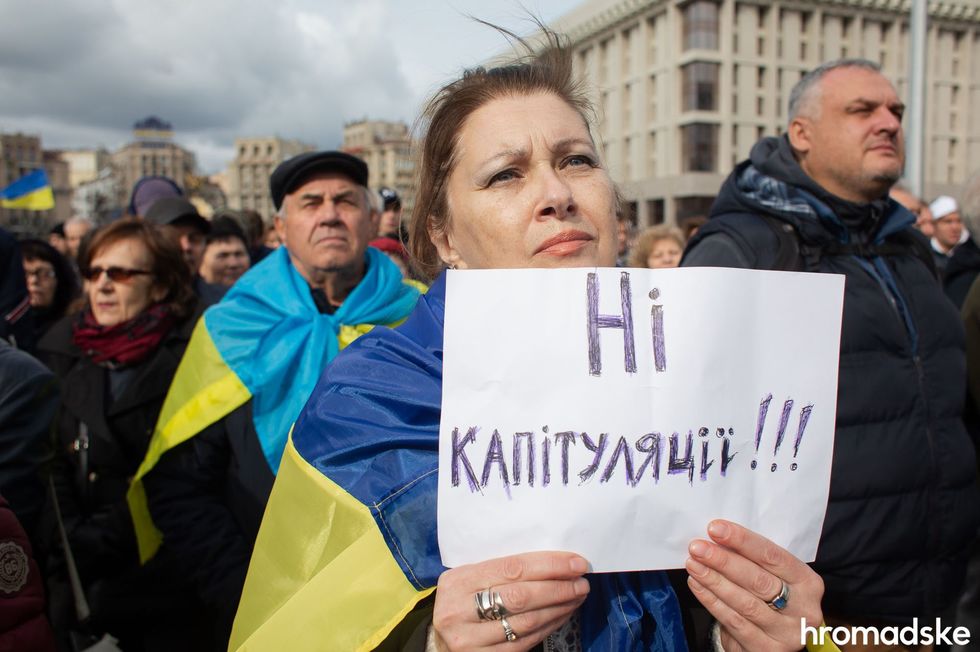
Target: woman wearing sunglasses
[(115, 356)]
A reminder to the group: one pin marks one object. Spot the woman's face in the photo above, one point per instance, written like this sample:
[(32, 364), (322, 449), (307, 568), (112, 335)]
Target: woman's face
[(528, 190), (41, 282), (664, 253), (114, 302)]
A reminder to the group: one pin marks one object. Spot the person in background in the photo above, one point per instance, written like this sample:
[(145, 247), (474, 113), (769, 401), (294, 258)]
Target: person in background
[(28, 403), (148, 190), (225, 253), (395, 251), (624, 238), (964, 265), (254, 227), (690, 226), (180, 219), (114, 358), (271, 239), (56, 238), (75, 231), (16, 318), (250, 367), (658, 247), (51, 283), (919, 208), (816, 199), (390, 224), (948, 232), (23, 625)]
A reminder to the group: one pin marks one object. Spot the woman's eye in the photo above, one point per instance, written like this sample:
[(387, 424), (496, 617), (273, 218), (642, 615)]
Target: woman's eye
[(503, 176)]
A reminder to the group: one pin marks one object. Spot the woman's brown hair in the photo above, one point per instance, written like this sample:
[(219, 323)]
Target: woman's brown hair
[(653, 235), (168, 267), (548, 71)]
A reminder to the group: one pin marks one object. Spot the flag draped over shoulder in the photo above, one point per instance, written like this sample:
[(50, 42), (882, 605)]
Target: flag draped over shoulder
[(348, 545), (31, 192), (265, 341)]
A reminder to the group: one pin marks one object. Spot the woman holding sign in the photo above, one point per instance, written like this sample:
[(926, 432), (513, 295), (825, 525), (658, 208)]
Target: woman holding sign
[(348, 558)]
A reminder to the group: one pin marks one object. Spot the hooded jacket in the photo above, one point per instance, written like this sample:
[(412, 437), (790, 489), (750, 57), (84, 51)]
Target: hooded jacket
[(902, 510)]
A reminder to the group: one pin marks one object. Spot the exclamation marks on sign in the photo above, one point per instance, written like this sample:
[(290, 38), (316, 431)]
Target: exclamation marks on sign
[(781, 429)]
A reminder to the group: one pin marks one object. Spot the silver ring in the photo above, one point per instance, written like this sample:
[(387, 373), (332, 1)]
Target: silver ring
[(484, 605), (779, 602), (499, 610), (509, 633)]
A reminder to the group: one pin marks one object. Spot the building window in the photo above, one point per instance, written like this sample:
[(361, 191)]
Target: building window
[(700, 86), (699, 142), (688, 207), (701, 25)]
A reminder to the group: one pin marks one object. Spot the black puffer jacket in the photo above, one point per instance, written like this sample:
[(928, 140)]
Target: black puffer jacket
[(903, 500)]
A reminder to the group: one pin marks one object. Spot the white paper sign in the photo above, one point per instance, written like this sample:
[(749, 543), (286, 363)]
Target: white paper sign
[(615, 412)]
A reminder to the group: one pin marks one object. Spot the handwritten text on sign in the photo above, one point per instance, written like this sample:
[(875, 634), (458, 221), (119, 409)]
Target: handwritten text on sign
[(615, 412)]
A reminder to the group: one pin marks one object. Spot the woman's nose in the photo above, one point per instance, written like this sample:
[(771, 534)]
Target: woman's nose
[(556, 199)]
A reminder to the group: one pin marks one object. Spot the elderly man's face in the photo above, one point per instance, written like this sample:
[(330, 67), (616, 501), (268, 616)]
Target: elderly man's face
[(849, 134), (328, 225)]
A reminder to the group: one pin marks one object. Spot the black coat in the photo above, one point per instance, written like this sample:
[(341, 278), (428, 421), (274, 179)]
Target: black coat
[(127, 599), (207, 496), (903, 499)]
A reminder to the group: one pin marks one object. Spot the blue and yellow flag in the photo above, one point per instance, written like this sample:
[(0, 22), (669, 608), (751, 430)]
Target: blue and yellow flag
[(31, 192), (348, 545), (265, 341)]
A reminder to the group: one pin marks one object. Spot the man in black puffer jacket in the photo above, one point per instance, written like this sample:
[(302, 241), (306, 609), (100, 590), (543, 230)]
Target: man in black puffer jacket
[(903, 499)]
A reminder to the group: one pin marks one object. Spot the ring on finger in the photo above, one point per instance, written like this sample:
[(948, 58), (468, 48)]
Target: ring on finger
[(499, 610), (509, 633), (779, 602), (485, 609)]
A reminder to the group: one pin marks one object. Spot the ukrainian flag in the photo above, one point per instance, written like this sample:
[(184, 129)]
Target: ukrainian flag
[(265, 341), (31, 192), (348, 549)]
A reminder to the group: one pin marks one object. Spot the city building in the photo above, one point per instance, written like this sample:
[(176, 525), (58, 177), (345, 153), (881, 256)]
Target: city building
[(248, 174), (685, 88), (153, 152), (84, 165), (387, 149), (58, 172)]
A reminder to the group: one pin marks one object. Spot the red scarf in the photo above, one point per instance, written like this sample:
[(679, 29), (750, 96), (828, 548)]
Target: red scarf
[(125, 343)]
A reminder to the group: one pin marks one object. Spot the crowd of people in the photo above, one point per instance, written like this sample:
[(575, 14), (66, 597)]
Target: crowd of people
[(213, 438)]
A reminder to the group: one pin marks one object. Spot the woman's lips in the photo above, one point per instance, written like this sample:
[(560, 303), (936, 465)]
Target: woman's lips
[(564, 243)]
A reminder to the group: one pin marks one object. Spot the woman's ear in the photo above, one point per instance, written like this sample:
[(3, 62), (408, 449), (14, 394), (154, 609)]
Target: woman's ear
[(443, 240), (157, 293)]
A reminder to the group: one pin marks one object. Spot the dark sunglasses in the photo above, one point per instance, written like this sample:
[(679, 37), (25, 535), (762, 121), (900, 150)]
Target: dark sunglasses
[(115, 274)]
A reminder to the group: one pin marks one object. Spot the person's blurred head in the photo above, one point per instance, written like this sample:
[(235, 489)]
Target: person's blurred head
[(148, 190), (923, 216), (970, 205), (225, 253), (182, 221), (624, 234), (75, 230), (390, 223), (129, 266), (326, 213), (509, 175), (395, 251), (658, 247), (946, 223), (51, 282), (56, 238)]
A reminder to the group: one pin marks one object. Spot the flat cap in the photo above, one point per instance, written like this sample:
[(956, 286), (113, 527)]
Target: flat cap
[(176, 210), (293, 172)]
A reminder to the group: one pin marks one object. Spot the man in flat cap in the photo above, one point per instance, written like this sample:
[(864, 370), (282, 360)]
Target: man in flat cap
[(251, 364)]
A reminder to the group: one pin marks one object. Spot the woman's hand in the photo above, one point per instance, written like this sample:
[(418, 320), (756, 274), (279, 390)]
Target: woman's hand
[(539, 590), (736, 575)]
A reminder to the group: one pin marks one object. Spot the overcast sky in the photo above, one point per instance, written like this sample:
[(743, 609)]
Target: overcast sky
[(80, 72)]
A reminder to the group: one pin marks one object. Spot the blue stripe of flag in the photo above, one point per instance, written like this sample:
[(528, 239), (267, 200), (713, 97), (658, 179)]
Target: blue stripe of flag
[(30, 182)]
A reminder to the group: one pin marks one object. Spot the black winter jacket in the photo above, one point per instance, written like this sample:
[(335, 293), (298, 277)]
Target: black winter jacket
[(127, 599), (903, 499)]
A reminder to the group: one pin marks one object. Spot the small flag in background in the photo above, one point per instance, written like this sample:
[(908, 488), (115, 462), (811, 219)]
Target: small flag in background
[(31, 192)]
